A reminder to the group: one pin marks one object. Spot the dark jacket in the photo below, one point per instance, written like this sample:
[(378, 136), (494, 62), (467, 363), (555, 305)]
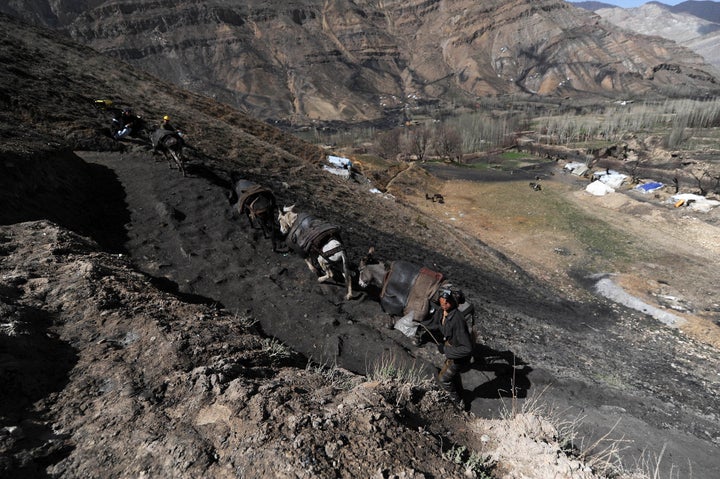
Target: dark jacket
[(432, 320), (166, 125), (129, 119), (458, 343)]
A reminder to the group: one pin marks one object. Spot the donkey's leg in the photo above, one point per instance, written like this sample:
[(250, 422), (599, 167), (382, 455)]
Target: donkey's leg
[(308, 262), (243, 210), (326, 269), (266, 229), (273, 235), (347, 275)]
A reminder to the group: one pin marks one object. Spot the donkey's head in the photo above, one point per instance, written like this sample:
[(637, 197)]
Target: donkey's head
[(370, 271), (286, 218)]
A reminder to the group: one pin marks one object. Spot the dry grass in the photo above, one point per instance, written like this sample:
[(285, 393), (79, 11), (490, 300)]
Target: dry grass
[(406, 376)]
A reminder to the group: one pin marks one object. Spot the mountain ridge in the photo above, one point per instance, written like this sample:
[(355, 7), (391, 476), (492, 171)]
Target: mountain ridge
[(694, 25), (308, 62)]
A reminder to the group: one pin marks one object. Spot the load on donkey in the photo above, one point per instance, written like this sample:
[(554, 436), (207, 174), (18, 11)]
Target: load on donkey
[(316, 239), (170, 143), (258, 204), (410, 291)]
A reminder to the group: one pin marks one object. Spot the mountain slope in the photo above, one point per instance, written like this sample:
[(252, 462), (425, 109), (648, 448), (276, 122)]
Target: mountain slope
[(689, 25), (354, 61), (705, 9), (117, 356)]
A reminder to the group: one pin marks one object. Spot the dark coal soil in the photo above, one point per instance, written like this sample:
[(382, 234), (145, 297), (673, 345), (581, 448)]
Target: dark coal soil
[(617, 372)]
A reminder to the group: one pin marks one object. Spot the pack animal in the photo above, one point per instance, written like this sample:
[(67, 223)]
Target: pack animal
[(258, 204), (407, 288), (436, 197), (315, 239), (170, 144)]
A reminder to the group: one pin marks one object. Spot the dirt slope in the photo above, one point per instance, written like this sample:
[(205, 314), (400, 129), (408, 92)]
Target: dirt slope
[(117, 399), (185, 230)]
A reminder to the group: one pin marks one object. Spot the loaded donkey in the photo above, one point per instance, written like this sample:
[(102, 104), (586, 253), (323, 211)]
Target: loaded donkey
[(258, 204), (315, 239), (410, 291)]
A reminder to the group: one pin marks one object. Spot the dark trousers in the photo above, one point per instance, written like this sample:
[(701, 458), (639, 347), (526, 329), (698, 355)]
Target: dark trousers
[(450, 379)]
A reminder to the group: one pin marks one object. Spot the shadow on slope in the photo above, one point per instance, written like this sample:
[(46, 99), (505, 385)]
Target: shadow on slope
[(36, 364), (82, 197)]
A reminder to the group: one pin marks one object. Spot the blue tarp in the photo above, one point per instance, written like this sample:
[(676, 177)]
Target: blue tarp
[(649, 187)]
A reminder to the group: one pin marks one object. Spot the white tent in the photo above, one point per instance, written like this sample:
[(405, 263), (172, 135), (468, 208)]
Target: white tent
[(694, 202), (576, 168), (339, 162), (339, 166), (598, 188), (611, 178)]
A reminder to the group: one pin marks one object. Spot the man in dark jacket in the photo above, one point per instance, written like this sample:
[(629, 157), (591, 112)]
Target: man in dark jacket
[(128, 123), (166, 125), (457, 346)]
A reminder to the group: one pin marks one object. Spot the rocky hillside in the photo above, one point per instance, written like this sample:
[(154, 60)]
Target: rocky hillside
[(354, 61), (693, 25)]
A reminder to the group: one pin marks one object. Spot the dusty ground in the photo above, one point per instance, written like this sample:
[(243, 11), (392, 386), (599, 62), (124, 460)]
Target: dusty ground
[(186, 356), (664, 262)]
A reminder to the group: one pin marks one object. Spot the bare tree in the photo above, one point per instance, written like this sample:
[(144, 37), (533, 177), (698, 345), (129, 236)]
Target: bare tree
[(418, 141), (389, 143), (447, 143), (707, 177), (633, 168)]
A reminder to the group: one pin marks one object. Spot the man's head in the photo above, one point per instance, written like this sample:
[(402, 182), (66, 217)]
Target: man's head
[(166, 118), (447, 300)]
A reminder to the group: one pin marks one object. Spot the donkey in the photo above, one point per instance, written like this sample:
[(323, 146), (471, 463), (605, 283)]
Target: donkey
[(259, 205), (407, 288), (170, 144), (315, 239)]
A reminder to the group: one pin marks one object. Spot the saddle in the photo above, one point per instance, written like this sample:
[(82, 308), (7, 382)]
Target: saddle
[(248, 195), (409, 287), (165, 138), (308, 234)]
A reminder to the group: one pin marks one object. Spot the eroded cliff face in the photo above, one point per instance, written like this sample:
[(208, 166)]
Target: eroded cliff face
[(307, 60)]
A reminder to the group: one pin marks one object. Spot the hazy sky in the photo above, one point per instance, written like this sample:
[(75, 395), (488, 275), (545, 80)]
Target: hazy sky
[(636, 3)]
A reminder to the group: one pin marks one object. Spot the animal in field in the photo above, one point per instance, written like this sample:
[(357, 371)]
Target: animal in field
[(316, 240), (259, 205), (406, 288), (436, 197), (535, 186)]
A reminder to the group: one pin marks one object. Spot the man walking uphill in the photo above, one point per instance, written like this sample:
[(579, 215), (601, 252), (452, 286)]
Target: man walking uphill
[(458, 347)]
